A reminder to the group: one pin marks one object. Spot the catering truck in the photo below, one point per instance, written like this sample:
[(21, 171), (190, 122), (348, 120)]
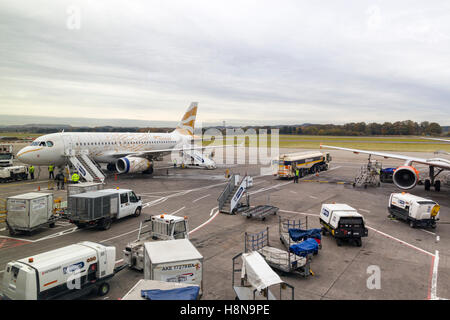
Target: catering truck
[(65, 273), (158, 227), (173, 261), (100, 208), (343, 223), (6, 155), (415, 210), (306, 162)]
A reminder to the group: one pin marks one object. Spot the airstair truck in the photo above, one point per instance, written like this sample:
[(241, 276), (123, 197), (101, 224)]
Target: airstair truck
[(343, 222), (65, 273), (158, 227), (415, 210)]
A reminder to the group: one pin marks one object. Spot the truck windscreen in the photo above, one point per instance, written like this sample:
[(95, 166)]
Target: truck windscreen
[(6, 156)]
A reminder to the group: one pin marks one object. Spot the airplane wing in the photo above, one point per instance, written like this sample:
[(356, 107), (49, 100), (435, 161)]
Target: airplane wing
[(152, 152), (436, 162)]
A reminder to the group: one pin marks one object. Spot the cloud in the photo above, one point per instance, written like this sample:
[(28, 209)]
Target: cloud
[(258, 61)]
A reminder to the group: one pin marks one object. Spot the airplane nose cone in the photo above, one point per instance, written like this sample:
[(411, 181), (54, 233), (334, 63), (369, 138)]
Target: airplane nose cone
[(22, 155)]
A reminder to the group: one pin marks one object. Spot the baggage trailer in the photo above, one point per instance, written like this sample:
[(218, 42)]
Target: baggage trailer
[(417, 211), (256, 276), (160, 227), (281, 260), (66, 273), (82, 187), (260, 212), (343, 222), (29, 212), (295, 231), (162, 290), (100, 208), (173, 261)]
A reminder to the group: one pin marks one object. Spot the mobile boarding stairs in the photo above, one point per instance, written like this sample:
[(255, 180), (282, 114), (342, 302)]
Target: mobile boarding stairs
[(230, 199), (87, 168)]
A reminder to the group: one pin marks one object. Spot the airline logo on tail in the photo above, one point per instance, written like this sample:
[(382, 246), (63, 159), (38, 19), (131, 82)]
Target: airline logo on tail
[(186, 125)]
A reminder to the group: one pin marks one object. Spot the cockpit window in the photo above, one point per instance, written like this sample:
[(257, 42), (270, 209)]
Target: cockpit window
[(49, 144), (42, 144)]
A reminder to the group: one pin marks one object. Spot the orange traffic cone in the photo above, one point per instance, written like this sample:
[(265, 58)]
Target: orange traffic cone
[(115, 176), (39, 188)]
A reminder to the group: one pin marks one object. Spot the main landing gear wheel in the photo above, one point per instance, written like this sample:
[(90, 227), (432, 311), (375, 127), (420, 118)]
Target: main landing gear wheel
[(427, 184), (437, 185)]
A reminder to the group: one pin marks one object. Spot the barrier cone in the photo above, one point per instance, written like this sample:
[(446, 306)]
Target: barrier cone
[(115, 176), (39, 188)]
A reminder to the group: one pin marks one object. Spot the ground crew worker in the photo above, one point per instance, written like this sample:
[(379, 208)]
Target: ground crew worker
[(60, 180), (75, 178), (297, 172), (50, 172), (31, 171)]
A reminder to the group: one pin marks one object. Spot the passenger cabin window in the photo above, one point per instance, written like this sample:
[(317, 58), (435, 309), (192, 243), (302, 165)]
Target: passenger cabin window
[(124, 198), (49, 144)]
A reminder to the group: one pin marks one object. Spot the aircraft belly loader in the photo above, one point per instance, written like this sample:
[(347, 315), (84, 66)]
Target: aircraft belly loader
[(160, 227)]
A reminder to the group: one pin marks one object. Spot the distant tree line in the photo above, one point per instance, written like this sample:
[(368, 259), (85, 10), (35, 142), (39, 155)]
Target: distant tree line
[(407, 127)]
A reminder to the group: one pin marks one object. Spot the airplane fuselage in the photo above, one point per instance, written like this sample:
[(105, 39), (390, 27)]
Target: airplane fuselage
[(103, 147)]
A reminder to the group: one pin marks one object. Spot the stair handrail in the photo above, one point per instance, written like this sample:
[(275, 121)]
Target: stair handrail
[(229, 187)]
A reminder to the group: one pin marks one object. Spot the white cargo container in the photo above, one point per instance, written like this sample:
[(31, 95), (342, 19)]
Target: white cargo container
[(417, 211), (71, 271), (173, 261), (29, 211), (82, 187), (343, 222)]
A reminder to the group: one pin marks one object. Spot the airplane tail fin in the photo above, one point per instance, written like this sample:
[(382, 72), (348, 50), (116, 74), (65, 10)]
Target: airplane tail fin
[(186, 125)]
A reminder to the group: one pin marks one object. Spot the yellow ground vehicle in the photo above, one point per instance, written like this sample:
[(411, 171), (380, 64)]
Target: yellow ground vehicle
[(307, 162)]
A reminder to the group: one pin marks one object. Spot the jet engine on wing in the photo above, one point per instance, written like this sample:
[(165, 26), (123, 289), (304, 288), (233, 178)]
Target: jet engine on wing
[(405, 177), (133, 164)]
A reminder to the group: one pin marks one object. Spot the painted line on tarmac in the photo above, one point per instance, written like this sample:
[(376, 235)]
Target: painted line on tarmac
[(193, 201), (175, 212), (312, 197), (364, 210), (432, 292), (212, 214), (123, 234), (428, 232), (3, 229)]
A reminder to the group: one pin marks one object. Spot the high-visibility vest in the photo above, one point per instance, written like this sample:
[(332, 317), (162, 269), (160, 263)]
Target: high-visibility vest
[(50, 168), (31, 169), (297, 172), (75, 177)]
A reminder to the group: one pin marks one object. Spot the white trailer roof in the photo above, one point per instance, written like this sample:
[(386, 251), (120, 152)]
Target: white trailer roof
[(259, 273), (57, 257), (114, 190), (410, 197), (300, 155), (166, 217), (339, 207), (29, 196), (171, 251)]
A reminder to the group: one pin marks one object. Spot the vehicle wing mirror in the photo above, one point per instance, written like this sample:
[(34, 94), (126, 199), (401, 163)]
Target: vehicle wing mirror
[(139, 197)]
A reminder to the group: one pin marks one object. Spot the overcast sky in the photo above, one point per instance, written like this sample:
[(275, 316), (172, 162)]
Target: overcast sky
[(264, 62)]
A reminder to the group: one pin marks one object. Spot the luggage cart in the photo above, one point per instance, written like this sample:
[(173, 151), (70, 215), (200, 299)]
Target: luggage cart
[(260, 212), (282, 260), (285, 224), (260, 280)]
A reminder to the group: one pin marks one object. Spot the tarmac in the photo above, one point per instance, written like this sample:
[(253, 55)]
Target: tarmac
[(414, 263)]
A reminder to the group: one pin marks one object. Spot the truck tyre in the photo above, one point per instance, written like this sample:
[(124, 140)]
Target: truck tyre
[(339, 242), (137, 213), (105, 224), (358, 242), (103, 289), (324, 232), (427, 184), (412, 224), (80, 225), (12, 232), (52, 225), (437, 185)]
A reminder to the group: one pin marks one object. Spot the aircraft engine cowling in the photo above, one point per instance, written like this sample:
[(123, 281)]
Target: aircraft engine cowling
[(405, 177), (133, 164)]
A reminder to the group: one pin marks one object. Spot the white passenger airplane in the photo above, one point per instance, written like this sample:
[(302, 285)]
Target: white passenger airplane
[(406, 177), (124, 152)]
